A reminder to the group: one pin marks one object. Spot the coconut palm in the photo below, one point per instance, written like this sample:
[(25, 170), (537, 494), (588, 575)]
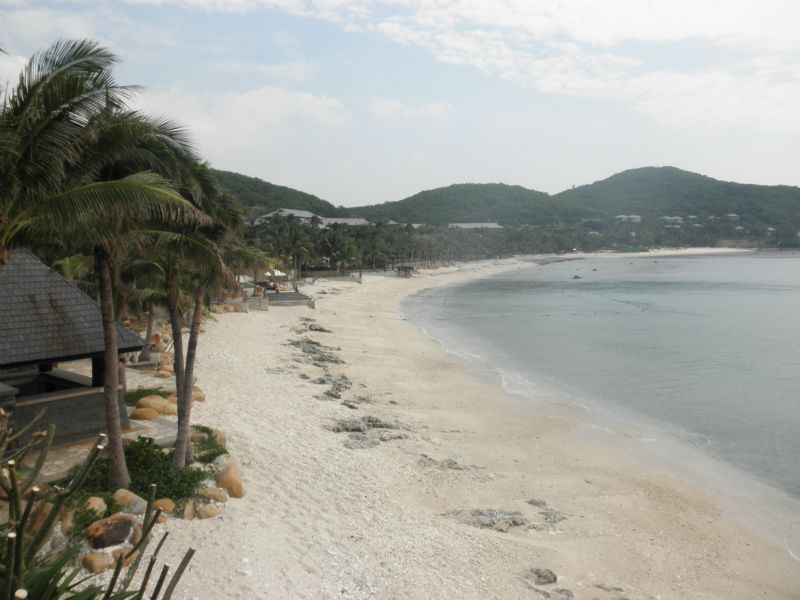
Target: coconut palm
[(73, 163), (295, 241)]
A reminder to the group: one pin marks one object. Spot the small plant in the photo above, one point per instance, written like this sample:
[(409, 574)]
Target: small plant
[(24, 573), (209, 449)]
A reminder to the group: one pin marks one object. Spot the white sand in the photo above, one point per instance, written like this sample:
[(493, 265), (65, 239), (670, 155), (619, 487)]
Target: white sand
[(324, 521)]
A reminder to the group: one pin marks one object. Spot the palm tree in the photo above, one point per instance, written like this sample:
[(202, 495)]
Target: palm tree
[(71, 164), (294, 240)]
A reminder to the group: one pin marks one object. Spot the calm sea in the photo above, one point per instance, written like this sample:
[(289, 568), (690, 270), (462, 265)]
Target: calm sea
[(706, 349)]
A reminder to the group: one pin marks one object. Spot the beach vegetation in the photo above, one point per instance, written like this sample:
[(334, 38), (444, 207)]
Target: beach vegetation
[(148, 463), (27, 569), (208, 450), (79, 168)]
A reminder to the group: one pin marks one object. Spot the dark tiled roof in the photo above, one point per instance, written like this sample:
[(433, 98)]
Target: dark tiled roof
[(44, 318)]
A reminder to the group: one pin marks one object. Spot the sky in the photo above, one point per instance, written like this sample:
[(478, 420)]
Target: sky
[(367, 101)]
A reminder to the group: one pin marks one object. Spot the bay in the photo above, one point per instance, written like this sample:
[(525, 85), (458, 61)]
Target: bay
[(705, 348)]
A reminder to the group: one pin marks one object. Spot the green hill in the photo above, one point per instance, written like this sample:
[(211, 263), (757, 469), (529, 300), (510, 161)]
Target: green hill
[(650, 192), (654, 192), (255, 193), (472, 203)]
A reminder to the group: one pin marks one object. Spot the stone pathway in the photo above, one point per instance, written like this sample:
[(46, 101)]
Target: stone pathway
[(63, 457)]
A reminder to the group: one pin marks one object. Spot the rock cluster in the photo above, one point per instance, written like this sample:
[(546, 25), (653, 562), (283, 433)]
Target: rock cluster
[(316, 353), (490, 518), (155, 405)]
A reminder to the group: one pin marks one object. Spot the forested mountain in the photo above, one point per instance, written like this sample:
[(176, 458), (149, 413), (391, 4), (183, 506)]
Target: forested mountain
[(255, 193), (654, 192), (651, 192), (471, 203)]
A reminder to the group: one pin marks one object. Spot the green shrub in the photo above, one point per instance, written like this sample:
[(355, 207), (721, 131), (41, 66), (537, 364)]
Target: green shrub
[(133, 396), (206, 451), (147, 463)]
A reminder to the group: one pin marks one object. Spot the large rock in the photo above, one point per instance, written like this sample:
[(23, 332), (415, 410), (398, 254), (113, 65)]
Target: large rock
[(38, 517), (218, 494), (68, 521), (209, 511), (96, 504), (190, 510), (230, 478), (144, 414), (95, 562), (130, 502), (121, 552), (198, 436), (199, 396), (110, 531), (153, 401), (166, 505), (222, 439)]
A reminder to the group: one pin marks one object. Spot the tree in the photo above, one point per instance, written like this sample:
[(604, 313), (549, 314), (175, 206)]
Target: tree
[(72, 164), (295, 241)]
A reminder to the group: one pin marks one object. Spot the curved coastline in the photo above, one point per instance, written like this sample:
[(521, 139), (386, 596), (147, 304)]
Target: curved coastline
[(763, 509), (325, 517)]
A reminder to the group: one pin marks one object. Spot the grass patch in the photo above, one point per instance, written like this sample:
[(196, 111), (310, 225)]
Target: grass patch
[(133, 396), (147, 463), (206, 451)]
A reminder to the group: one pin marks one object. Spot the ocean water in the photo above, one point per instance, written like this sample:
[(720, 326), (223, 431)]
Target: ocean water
[(704, 350)]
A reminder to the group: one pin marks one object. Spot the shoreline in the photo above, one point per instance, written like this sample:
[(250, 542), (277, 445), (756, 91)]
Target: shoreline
[(327, 515), (648, 444)]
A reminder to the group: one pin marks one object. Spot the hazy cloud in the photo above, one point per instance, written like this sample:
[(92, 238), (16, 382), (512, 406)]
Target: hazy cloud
[(394, 109)]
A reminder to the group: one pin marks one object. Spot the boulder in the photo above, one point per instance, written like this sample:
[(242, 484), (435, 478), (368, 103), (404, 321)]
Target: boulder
[(95, 562), (190, 510), (38, 517), (230, 478), (209, 511), (130, 502), (96, 504), (68, 521), (222, 439), (126, 561), (164, 373), (153, 401), (110, 531), (136, 536), (169, 409), (198, 396), (198, 436), (166, 505), (218, 494), (144, 414)]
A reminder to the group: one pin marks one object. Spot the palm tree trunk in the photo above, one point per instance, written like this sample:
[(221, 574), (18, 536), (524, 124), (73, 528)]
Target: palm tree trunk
[(118, 476), (177, 338), (183, 446)]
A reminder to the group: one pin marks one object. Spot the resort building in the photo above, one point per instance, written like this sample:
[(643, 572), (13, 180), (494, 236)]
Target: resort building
[(486, 225), (45, 321)]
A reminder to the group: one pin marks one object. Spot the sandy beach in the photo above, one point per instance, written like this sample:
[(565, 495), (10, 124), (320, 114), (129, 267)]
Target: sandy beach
[(384, 508)]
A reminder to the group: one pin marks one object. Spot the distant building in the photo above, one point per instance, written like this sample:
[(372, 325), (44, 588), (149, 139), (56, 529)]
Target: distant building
[(631, 219), (302, 215), (475, 225), (771, 232), (672, 220), (326, 222), (732, 217)]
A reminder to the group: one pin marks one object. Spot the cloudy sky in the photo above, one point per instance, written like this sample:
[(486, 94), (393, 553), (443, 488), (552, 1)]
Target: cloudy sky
[(364, 101)]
